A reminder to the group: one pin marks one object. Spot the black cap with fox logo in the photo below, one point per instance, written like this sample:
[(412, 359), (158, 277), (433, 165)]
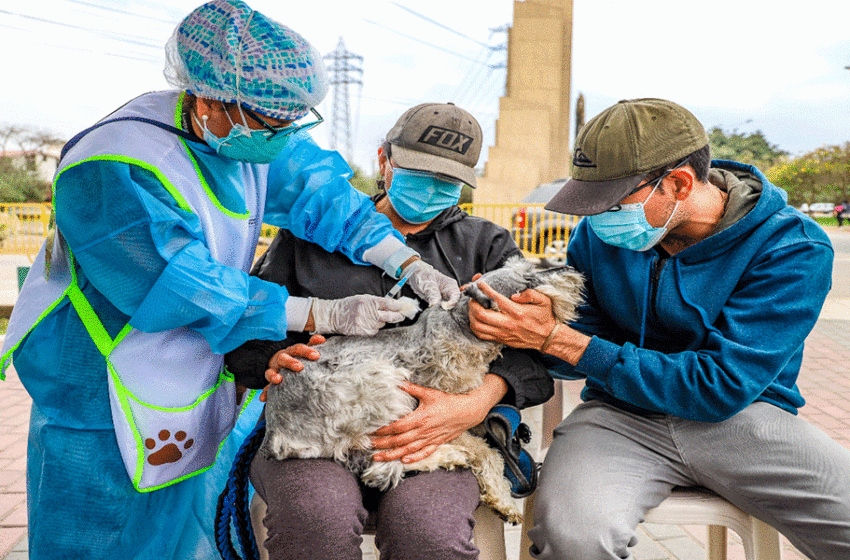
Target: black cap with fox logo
[(617, 148), (437, 138)]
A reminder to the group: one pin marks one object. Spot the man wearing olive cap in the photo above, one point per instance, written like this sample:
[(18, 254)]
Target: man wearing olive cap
[(702, 286), (120, 329)]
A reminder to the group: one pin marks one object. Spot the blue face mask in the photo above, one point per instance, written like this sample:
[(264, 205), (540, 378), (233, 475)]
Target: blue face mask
[(628, 228), (418, 196), (245, 144)]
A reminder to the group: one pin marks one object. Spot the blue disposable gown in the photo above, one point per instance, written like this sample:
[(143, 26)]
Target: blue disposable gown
[(142, 259)]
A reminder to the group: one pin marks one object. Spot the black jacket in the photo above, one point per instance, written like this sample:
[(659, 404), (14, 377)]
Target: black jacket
[(455, 243)]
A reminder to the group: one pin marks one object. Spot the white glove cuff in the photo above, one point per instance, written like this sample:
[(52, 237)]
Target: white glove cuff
[(392, 265), (385, 252), (297, 312)]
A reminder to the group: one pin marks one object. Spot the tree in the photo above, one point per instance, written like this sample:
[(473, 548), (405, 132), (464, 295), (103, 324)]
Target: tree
[(38, 141), (19, 176), (362, 182), (9, 132), (21, 184), (753, 149), (819, 176)]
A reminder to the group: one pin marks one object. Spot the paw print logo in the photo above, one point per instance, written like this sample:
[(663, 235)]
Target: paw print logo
[(170, 452)]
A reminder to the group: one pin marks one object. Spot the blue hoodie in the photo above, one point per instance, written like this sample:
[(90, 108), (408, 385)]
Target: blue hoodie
[(706, 332)]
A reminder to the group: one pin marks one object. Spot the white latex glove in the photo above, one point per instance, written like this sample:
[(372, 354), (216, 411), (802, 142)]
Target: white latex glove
[(361, 315), (433, 286)]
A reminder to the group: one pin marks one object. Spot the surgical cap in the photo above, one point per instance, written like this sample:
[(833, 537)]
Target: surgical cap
[(224, 50)]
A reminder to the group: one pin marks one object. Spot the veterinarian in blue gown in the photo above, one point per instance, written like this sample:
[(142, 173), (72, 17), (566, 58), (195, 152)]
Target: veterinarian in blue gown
[(120, 329), (702, 286), (427, 157)]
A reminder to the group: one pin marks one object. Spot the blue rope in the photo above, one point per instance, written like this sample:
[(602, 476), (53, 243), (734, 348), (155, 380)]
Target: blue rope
[(233, 505)]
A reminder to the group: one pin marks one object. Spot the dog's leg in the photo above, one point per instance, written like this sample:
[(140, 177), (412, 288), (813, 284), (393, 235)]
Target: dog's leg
[(383, 475)]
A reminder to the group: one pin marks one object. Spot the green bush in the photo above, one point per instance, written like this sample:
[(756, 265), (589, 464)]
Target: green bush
[(9, 224), (19, 184), (819, 176)]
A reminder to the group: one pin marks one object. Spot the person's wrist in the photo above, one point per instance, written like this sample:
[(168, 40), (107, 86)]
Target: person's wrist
[(567, 344), (550, 338), (488, 394), (407, 263)]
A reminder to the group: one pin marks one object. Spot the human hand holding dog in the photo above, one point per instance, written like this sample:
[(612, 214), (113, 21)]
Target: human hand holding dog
[(288, 359), (439, 418), (526, 321)]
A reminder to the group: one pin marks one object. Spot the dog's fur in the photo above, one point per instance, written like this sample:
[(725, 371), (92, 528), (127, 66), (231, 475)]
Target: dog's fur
[(328, 409)]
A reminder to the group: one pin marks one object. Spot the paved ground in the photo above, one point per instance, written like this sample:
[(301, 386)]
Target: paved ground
[(823, 381)]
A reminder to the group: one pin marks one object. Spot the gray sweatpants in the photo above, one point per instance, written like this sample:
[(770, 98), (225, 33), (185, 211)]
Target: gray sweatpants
[(317, 509), (606, 468)]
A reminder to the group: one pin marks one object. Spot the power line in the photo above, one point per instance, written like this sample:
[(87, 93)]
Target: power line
[(470, 80), (421, 41), (125, 39), (140, 57), (395, 101), (78, 49), (111, 9), (438, 24)]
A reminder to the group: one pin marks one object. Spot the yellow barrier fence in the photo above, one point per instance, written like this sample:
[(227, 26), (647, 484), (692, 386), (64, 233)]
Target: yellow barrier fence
[(539, 233), (23, 227)]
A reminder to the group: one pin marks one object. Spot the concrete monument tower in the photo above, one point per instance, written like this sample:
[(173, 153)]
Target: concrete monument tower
[(533, 127)]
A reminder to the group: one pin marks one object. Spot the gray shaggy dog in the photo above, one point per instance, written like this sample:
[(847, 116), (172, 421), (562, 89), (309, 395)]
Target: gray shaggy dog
[(328, 409)]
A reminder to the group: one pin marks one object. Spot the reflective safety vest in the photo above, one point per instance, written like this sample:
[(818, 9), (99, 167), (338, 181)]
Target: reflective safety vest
[(173, 402)]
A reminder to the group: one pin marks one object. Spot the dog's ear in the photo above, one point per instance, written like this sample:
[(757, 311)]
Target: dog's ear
[(474, 292), (565, 287), (525, 273)]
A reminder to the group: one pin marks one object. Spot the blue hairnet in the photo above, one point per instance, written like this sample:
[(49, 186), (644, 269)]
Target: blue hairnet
[(224, 50)]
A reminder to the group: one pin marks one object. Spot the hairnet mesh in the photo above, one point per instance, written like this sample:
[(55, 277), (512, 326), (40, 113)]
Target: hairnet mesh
[(225, 50)]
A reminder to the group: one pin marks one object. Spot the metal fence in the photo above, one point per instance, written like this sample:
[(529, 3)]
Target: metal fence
[(23, 227), (539, 233)]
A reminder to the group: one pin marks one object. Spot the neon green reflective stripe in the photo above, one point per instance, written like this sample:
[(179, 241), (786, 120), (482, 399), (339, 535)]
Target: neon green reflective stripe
[(210, 194), (176, 480), (122, 392), (127, 328), (205, 469), (178, 110), (172, 190), (178, 122), (123, 398), (90, 320), (6, 359), (222, 378), (87, 314)]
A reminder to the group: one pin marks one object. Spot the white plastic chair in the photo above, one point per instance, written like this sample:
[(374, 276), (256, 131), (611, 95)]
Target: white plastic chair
[(488, 535), (685, 506), (698, 506)]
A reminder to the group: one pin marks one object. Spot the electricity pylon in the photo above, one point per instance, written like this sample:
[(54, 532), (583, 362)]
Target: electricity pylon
[(344, 68)]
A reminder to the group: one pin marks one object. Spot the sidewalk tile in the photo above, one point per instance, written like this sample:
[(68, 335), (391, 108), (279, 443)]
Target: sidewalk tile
[(9, 536)]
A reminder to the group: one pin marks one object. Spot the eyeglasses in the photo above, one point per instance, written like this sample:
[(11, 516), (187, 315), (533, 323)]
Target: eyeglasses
[(284, 130), (654, 183)]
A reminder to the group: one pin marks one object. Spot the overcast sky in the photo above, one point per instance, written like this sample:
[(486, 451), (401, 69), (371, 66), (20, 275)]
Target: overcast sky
[(743, 65)]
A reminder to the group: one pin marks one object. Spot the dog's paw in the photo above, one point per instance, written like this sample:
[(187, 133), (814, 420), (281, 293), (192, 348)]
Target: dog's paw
[(474, 292)]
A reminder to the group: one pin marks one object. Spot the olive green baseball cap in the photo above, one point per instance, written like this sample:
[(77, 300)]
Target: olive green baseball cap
[(618, 147)]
